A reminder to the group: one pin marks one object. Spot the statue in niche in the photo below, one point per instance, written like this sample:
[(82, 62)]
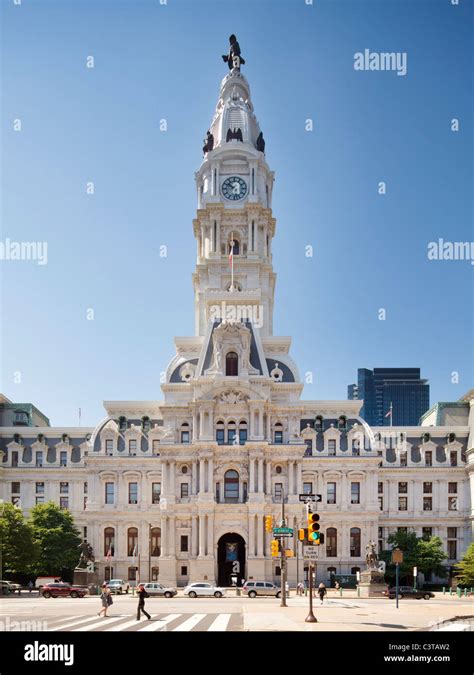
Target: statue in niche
[(208, 142), (260, 144)]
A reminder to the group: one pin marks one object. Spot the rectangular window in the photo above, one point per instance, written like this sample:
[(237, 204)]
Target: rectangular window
[(278, 490), (63, 458), (427, 503), (14, 458), (402, 529), (380, 488), (40, 488), (427, 488), (109, 445), (307, 488), (242, 436), (331, 493), (85, 488), (452, 532), (184, 543), (64, 488), (184, 571), (427, 532), (355, 493), (133, 493), (184, 490), (278, 437), (109, 493), (403, 459), (331, 447), (155, 493), (381, 503), (403, 488), (64, 502), (402, 503), (15, 488), (156, 447), (231, 434), (132, 445), (185, 437), (245, 492), (428, 458), (309, 447), (452, 550), (39, 500), (85, 503), (220, 437), (453, 458), (452, 488), (39, 459)]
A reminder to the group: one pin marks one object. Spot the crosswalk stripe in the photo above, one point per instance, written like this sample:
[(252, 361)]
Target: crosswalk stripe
[(55, 621), (190, 623), (70, 623), (127, 624), (158, 625), (103, 622), (220, 623)]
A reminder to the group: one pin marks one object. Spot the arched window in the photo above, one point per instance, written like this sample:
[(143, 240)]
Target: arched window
[(185, 436), (231, 486), (132, 541), (331, 542), (242, 432), (278, 433), (236, 247), (109, 541), (331, 571), (231, 432), (155, 541), (220, 432), (355, 542), (232, 364), (108, 571), (122, 423)]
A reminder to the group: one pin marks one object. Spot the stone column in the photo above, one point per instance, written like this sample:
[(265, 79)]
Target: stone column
[(210, 478), (299, 477), (268, 487), (202, 241), (251, 535), (172, 478), (343, 500), (164, 535), (195, 429), (260, 475), (210, 534), (194, 477), (202, 485), (252, 476), (290, 477), (269, 427), (172, 535), (194, 536), (259, 535), (202, 540)]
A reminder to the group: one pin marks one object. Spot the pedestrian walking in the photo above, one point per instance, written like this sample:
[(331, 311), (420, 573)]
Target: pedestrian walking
[(106, 600), (30, 585), (300, 588), (337, 586), (142, 594), (322, 591)]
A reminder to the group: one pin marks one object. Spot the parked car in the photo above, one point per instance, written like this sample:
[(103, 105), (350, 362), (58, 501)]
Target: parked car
[(254, 588), (118, 586), (408, 592), (204, 589), (42, 581), (156, 589), (7, 587), (63, 590)]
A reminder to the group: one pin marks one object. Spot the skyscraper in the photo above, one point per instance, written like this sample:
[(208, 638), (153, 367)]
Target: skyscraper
[(381, 388)]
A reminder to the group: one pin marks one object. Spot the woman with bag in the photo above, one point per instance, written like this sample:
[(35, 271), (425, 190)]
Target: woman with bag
[(106, 599)]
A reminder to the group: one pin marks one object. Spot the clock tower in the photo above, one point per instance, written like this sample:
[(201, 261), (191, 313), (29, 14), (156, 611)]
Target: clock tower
[(234, 193)]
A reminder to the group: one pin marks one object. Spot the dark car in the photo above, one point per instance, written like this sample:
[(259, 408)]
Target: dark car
[(408, 592), (63, 590)]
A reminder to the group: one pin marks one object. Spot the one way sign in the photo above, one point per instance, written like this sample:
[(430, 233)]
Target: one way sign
[(310, 498)]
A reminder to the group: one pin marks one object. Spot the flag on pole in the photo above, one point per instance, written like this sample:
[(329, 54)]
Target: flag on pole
[(390, 414), (109, 555), (231, 254)]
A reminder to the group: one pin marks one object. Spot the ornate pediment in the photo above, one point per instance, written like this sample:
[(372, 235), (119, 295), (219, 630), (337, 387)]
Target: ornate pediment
[(231, 397), (231, 336)]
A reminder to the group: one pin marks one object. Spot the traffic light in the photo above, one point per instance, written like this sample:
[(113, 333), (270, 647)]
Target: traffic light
[(268, 523), (275, 548), (313, 528), (302, 534)]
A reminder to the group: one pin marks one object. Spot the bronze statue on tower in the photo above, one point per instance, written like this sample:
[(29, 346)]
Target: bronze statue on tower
[(233, 58)]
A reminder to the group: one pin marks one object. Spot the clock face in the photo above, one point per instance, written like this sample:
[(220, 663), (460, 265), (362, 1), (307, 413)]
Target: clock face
[(234, 188)]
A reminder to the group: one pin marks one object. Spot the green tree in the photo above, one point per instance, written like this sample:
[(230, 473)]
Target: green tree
[(57, 538), (425, 554), (466, 568), (18, 552)]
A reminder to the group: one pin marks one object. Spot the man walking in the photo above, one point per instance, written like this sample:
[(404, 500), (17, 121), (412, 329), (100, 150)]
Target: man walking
[(322, 591), (142, 594)]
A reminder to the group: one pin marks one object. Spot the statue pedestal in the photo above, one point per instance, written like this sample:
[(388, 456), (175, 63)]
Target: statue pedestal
[(372, 584), (84, 577)]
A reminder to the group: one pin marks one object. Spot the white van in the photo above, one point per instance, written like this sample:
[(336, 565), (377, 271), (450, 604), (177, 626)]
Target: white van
[(42, 581)]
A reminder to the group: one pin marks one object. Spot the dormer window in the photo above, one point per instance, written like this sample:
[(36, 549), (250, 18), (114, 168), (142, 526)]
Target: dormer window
[(20, 418), (231, 364), (318, 423)]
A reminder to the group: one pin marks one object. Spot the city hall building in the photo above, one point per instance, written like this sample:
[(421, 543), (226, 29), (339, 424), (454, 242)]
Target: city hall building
[(180, 487)]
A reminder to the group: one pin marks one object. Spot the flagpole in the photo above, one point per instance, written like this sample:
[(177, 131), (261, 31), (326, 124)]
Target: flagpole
[(391, 414), (232, 261)]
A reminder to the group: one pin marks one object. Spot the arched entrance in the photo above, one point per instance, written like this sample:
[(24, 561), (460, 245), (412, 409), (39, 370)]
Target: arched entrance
[(230, 559)]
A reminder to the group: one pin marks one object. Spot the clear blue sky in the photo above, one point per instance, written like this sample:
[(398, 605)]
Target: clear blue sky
[(153, 62)]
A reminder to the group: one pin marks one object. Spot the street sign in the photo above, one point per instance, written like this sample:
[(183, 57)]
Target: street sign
[(397, 556), (310, 498), (283, 531), (310, 552)]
